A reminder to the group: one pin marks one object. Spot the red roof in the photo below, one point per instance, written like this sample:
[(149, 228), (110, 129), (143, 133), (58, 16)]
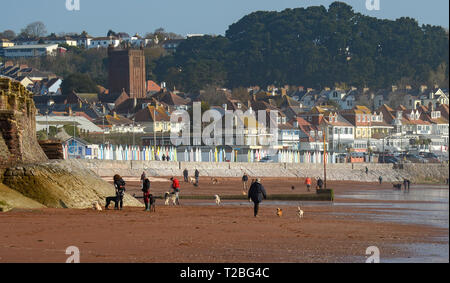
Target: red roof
[(152, 86)]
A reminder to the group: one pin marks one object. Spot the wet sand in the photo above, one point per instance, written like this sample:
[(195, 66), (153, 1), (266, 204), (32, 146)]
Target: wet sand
[(207, 233)]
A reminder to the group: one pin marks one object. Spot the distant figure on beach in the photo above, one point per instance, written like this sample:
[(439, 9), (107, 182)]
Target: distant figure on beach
[(257, 193), (319, 183), (197, 174), (186, 175), (176, 189), (168, 158), (119, 185), (143, 177), (408, 182), (405, 184), (244, 182), (367, 170), (163, 157), (380, 179), (146, 192), (308, 183)]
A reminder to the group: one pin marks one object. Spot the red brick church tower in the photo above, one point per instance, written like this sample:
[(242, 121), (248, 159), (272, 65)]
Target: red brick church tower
[(127, 72)]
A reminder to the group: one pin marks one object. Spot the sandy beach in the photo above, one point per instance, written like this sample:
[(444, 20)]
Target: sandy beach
[(199, 231)]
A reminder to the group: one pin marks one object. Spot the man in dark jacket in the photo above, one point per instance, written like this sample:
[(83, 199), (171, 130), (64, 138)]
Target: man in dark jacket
[(119, 185), (197, 173), (319, 183), (256, 193), (146, 191), (186, 175)]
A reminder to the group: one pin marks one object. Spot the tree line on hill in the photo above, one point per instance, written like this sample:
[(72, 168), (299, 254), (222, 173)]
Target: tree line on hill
[(313, 47)]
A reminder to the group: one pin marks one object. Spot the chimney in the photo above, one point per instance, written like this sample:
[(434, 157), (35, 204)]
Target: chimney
[(423, 88)]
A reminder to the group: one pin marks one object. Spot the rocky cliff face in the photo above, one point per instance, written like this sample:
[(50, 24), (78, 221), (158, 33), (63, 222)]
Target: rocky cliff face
[(30, 180), (18, 143), (60, 184)]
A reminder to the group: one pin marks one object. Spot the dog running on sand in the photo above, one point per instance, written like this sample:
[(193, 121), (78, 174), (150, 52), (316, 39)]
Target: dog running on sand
[(299, 212), (192, 180), (214, 181), (170, 197), (217, 199), (279, 212), (96, 206)]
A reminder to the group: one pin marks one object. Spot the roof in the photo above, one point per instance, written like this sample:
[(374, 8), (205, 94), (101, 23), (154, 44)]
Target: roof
[(33, 46), (151, 114), (153, 87)]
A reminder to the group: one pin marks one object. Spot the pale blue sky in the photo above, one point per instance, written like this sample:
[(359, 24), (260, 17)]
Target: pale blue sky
[(186, 16)]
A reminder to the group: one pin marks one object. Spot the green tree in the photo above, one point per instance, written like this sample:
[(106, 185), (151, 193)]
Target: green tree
[(78, 82)]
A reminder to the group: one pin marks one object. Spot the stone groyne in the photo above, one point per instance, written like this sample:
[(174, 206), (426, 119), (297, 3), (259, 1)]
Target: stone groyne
[(417, 173)]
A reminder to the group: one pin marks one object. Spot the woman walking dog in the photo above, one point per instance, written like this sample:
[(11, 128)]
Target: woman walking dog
[(146, 191), (119, 184)]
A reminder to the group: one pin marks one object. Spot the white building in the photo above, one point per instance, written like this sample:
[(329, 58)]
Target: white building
[(104, 42), (21, 51)]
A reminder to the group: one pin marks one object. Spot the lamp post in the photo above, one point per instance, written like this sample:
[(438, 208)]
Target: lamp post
[(133, 133)]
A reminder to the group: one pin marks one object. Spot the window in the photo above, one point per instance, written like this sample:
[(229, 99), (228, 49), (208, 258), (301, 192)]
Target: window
[(358, 118)]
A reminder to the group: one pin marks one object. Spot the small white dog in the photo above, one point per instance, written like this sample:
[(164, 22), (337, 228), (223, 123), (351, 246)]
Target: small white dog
[(192, 180), (217, 199), (170, 197), (96, 206), (299, 212)]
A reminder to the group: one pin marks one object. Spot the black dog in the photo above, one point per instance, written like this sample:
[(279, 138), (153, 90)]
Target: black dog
[(397, 186), (152, 203), (109, 200)]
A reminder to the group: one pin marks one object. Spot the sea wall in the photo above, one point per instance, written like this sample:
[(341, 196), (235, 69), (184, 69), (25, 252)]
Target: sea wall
[(418, 173)]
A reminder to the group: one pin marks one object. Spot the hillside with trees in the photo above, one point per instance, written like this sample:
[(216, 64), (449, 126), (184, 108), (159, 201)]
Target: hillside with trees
[(313, 47)]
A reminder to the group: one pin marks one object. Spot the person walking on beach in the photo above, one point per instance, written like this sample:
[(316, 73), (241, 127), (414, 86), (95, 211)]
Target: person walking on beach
[(119, 185), (408, 182), (319, 183), (367, 170), (380, 179), (168, 158), (163, 157), (308, 183), (244, 182), (186, 175), (176, 189), (143, 177), (197, 174), (146, 191), (405, 184), (256, 193)]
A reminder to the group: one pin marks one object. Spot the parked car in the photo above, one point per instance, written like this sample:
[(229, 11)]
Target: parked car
[(266, 159), (414, 158), (388, 159), (430, 157)]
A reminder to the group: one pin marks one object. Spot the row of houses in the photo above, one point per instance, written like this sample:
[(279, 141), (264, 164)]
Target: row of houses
[(54, 45), (34, 80), (358, 129)]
